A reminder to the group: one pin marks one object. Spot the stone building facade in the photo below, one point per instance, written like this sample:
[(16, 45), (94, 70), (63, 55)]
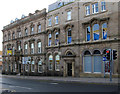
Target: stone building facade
[(68, 40)]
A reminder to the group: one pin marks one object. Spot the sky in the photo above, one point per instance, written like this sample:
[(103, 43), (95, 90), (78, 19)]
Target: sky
[(11, 9)]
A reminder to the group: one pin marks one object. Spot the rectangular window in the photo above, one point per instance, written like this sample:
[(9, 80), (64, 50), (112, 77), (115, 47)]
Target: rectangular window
[(39, 28), (39, 47), (87, 10), (32, 48), (13, 35), (56, 20), (32, 30), (33, 66), (88, 33), (95, 8), (40, 67), (49, 22), (26, 32), (19, 47), (26, 47), (69, 37), (103, 6), (56, 38), (96, 32), (49, 39), (19, 34), (104, 30), (69, 15)]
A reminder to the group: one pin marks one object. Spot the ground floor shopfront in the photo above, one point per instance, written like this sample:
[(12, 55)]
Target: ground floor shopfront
[(75, 61)]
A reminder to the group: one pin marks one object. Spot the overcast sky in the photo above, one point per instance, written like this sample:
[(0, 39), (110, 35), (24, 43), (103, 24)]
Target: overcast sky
[(11, 9)]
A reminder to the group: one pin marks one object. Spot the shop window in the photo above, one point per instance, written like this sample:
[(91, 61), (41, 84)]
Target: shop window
[(69, 36), (50, 62), (88, 33), (104, 30), (49, 39), (56, 38), (96, 32), (57, 63)]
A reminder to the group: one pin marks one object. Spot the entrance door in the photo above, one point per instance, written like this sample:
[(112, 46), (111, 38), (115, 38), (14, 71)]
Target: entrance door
[(69, 67)]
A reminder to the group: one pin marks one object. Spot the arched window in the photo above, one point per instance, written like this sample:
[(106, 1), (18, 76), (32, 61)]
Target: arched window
[(87, 62), (104, 31), (49, 39), (26, 47), (50, 63), (69, 36), (96, 52), (40, 69), (32, 30), (97, 61), (69, 53), (96, 31), (32, 48), (87, 53), (56, 38), (57, 63)]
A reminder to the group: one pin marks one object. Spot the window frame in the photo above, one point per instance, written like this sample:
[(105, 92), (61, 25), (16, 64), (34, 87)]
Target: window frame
[(39, 47), (40, 66), (49, 22), (98, 31), (56, 19), (57, 65), (49, 38), (87, 33), (103, 6), (102, 29), (94, 7), (69, 15), (32, 48), (69, 36), (39, 28), (33, 66), (87, 10)]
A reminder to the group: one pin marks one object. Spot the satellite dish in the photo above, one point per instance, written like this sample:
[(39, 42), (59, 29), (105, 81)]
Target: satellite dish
[(23, 16)]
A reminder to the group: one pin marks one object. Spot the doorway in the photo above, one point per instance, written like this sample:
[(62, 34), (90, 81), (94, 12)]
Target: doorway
[(69, 69)]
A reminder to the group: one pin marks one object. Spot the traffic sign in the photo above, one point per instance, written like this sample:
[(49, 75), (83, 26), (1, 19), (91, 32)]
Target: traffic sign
[(104, 58)]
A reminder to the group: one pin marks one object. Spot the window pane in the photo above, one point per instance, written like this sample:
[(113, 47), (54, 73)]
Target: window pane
[(104, 30), (69, 15), (96, 32), (88, 33)]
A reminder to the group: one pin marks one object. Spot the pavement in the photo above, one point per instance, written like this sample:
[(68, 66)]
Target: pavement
[(68, 79)]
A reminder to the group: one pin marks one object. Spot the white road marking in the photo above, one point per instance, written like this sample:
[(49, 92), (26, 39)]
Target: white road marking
[(54, 83), (21, 87)]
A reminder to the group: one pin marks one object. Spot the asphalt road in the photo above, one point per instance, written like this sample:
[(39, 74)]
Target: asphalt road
[(23, 85)]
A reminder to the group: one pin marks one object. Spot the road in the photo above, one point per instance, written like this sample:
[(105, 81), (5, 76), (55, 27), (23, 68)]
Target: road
[(24, 85)]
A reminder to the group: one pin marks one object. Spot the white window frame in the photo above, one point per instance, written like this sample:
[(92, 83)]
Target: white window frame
[(87, 10), (69, 15), (94, 8), (103, 5)]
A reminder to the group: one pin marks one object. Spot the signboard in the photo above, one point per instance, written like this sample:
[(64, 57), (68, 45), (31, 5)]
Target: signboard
[(9, 52), (104, 59)]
